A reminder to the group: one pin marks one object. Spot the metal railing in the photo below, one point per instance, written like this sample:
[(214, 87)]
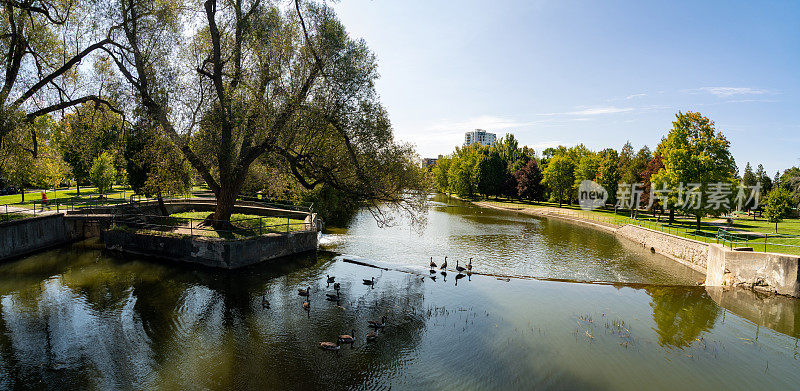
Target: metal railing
[(756, 240), (759, 241), (196, 227)]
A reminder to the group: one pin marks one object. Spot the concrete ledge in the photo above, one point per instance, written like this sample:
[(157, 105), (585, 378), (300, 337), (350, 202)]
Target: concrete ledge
[(212, 252), (765, 272)]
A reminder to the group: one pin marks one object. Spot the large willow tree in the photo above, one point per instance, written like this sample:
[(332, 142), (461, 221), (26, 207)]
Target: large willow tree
[(42, 44), (232, 81)]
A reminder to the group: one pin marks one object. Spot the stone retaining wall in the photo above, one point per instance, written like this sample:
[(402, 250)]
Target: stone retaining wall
[(689, 252), (212, 252)]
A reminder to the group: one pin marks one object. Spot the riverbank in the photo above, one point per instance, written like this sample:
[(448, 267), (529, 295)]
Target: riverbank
[(761, 271)]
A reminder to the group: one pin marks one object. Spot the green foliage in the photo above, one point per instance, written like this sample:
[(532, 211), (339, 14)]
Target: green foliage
[(87, 133), (695, 152), (560, 177), (763, 178), (103, 174), (749, 178), (490, 172), (441, 172), (154, 165), (609, 174), (778, 205)]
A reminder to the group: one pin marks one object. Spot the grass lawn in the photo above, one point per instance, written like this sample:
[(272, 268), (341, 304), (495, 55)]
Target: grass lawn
[(12, 216), (30, 196), (248, 224), (786, 241)]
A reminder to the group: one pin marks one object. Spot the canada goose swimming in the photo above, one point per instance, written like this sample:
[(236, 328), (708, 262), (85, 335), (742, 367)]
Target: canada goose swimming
[(469, 265), (330, 279), (332, 297), (444, 264), (336, 286), (459, 268), (433, 264), (377, 325), (369, 282), (347, 338), (372, 336), (328, 346), (304, 292)]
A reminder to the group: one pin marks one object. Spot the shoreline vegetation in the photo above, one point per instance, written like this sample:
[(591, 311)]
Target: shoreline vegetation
[(608, 220)]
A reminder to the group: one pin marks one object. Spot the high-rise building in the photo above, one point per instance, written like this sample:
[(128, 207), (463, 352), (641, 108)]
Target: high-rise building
[(479, 136)]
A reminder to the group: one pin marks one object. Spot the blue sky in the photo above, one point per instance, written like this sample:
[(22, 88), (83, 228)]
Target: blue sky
[(592, 72)]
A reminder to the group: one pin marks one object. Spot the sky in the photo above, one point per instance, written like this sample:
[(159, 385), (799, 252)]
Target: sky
[(594, 72)]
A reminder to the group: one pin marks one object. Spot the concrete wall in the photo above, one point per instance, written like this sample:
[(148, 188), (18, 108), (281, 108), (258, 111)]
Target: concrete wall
[(213, 252), (768, 272), (689, 252), (24, 236), (29, 235)]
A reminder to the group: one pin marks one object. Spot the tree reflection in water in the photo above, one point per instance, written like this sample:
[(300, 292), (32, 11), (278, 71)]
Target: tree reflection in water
[(681, 314)]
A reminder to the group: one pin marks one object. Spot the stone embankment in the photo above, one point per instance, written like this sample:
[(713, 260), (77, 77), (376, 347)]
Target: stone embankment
[(765, 272)]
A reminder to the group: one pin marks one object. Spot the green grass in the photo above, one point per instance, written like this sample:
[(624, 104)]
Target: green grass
[(786, 241), (31, 196), (12, 216), (246, 225)]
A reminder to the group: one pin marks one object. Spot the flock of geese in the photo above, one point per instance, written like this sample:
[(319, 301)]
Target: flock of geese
[(374, 325)]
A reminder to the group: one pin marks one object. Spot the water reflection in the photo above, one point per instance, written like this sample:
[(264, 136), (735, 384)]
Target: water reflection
[(82, 318), (681, 314)]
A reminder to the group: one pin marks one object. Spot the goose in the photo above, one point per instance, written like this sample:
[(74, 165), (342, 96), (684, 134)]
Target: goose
[(347, 338), (433, 264), (369, 282), (377, 325), (469, 265), (304, 292), (444, 264), (372, 336), (459, 268), (336, 286), (332, 297), (329, 346), (330, 279)]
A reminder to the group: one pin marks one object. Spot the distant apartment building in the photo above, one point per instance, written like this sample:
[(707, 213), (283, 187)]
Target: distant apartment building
[(429, 162), (479, 136)]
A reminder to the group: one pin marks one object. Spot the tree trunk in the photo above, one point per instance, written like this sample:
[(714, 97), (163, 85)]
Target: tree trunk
[(672, 216), (161, 206), (22, 192), (78, 187), (698, 221), (226, 199)]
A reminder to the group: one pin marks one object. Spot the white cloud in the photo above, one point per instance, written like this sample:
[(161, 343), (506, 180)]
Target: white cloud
[(634, 96), (725, 92)]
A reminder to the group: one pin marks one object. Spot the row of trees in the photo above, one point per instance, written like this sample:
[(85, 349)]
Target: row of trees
[(692, 152), (226, 88)]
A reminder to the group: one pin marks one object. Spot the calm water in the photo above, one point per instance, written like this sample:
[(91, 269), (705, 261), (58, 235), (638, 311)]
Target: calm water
[(79, 317)]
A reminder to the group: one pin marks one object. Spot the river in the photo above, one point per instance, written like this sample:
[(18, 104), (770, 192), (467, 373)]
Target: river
[(550, 305)]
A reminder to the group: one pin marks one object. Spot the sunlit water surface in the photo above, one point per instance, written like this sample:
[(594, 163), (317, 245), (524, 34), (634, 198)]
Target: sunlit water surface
[(80, 317)]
